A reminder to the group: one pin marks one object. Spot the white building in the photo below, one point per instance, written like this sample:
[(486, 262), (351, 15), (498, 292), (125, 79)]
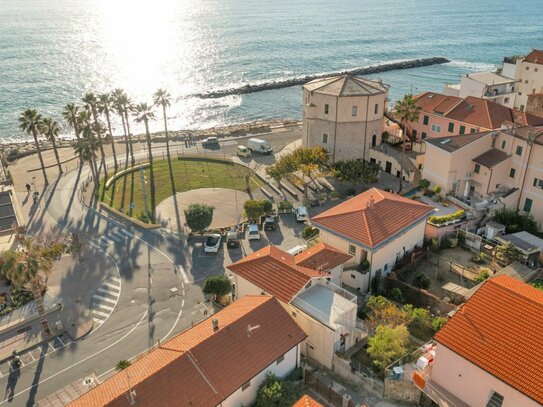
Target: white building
[(324, 310), (345, 115), (221, 361), (377, 228), (487, 85)]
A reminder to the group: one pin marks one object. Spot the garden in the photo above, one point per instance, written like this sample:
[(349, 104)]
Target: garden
[(126, 194)]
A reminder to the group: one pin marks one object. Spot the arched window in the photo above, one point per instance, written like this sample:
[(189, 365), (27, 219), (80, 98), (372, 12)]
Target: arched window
[(374, 140)]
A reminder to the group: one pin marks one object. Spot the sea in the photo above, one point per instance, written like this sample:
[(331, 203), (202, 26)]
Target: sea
[(53, 51)]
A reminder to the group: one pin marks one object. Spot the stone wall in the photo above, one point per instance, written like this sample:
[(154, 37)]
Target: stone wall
[(357, 380)]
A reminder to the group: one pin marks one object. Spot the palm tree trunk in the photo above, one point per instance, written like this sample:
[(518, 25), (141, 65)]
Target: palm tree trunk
[(112, 139), (125, 141), (129, 138), (151, 170), (38, 299), (56, 154), (35, 135), (99, 134), (166, 131), (94, 171), (76, 131), (403, 157)]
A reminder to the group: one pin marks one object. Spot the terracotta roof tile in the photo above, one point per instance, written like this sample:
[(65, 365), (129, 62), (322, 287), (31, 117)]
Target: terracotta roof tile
[(371, 224), (275, 272), (535, 57), (499, 329), (322, 257), (307, 401), (201, 367)]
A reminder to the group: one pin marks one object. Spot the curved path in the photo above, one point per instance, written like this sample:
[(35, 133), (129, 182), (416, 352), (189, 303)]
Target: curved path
[(157, 296)]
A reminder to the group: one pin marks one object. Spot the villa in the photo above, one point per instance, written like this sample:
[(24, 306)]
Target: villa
[(377, 228)]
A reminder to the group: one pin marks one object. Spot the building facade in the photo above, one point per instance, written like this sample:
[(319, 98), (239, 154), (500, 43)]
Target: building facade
[(487, 85), (345, 115), (500, 168)]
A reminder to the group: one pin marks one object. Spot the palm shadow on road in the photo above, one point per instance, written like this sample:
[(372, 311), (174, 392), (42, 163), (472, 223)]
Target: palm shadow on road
[(37, 374)]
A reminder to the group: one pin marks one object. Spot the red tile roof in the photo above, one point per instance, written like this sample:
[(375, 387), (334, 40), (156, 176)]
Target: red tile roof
[(307, 401), (478, 112), (322, 257), (370, 223), (201, 367), (275, 272), (499, 329), (535, 57)]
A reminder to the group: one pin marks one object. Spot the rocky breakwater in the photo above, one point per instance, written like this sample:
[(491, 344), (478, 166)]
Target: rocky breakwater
[(369, 70)]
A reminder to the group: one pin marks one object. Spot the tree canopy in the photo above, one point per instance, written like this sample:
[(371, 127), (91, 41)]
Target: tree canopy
[(255, 208), (388, 344), (217, 286), (199, 216), (276, 392), (515, 221), (407, 110), (355, 171)]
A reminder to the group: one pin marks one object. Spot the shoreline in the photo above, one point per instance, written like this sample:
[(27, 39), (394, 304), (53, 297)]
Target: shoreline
[(15, 150)]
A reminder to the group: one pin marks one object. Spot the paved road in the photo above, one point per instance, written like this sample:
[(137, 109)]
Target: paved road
[(155, 294)]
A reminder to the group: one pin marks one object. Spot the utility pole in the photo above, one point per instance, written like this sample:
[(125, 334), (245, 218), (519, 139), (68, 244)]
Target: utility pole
[(144, 191)]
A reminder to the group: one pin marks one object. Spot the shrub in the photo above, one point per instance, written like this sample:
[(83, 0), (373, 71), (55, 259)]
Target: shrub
[(421, 321), (285, 205), (421, 281), (276, 392), (199, 216), (438, 322), (396, 295), (381, 311), (309, 232), (516, 221), (424, 184), (375, 283), (365, 265), (479, 258), (482, 276), (255, 208), (437, 189), (439, 220)]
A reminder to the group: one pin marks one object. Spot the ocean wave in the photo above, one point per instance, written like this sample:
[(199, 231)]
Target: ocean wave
[(474, 66)]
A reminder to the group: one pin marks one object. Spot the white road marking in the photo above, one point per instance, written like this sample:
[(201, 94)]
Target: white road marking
[(105, 240), (107, 291), (127, 233), (31, 355), (60, 340), (112, 286), (183, 274), (102, 306), (100, 313), (114, 237), (100, 298), (81, 361), (117, 279)]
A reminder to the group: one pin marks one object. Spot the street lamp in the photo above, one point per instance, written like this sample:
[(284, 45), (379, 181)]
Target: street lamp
[(34, 182)]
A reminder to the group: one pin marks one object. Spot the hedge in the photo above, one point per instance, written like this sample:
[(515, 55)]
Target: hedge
[(439, 220)]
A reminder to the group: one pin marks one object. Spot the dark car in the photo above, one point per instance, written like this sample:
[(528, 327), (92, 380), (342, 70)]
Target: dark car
[(232, 240), (270, 223)]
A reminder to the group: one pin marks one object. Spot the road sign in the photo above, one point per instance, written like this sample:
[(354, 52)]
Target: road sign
[(132, 205)]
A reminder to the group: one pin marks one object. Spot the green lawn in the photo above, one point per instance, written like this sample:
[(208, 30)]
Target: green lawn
[(188, 174)]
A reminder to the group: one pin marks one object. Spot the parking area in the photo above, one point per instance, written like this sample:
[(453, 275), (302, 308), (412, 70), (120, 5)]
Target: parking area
[(287, 235)]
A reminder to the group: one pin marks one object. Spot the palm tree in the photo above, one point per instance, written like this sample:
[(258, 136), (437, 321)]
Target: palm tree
[(30, 121), (70, 113), (86, 147), (50, 129), (28, 266), (105, 106), (91, 104), (123, 105), (163, 98), (406, 110), (144, 113)]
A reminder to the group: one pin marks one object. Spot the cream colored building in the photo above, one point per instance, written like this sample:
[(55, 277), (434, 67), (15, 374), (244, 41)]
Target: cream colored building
[(325, 311), (491, 169), (345, 115), (489, 353), (377, 228), (528, 72)]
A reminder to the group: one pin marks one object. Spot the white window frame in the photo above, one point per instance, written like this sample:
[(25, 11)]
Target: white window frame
[(326, 108), (436, 128), (352, 249)]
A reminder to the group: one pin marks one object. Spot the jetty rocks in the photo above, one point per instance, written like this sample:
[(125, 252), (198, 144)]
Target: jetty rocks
[(413, 63)]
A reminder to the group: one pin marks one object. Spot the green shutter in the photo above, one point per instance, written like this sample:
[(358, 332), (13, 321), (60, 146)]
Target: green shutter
[(425, 120), (462, 129), (451, 127)]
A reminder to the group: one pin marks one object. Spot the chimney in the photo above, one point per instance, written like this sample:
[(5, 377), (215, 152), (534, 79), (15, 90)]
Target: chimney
[(215, 323), (371, 202)]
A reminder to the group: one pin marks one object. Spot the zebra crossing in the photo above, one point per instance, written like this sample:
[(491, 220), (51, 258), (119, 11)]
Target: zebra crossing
[(105, 299), (111, 237)]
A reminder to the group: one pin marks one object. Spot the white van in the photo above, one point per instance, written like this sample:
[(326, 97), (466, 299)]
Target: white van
[(257, 145), (253, 233), (243, 151), (297, 250), (301, 214)]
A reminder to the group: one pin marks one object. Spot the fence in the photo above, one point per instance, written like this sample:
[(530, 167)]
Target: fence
[(325, 387)]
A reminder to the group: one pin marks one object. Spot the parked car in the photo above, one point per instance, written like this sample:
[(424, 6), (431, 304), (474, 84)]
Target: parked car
[(297, 250), (301, 213), (213, 243), (243, 151), (257, 145), (253, 233), (210, 141), (232, 240), (269, 223)]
